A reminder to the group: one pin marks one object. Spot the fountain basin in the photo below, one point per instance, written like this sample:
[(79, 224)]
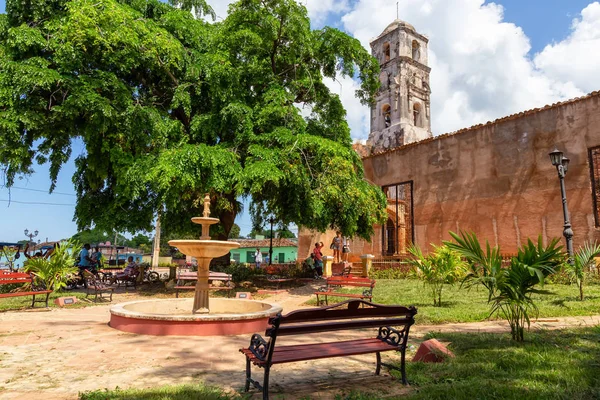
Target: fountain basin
[(204, 248), (173, 317)]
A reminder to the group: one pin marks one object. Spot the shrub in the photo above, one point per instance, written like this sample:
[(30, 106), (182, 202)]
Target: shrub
[(583, 260), (440, 267), (53, 272), (510, 288)]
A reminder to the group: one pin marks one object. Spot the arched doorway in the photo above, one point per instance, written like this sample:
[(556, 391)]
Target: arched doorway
[(390, 234)]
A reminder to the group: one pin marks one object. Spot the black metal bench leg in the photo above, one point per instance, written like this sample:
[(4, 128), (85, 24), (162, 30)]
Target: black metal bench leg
[(266, 383), (402, 366), (47, 295), (248, 375), (33, 302), (378, 369)]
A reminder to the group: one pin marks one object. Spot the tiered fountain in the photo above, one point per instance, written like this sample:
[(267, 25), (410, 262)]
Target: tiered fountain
[(198, 318)]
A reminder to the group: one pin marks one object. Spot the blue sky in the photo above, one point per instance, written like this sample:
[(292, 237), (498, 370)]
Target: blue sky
[(544, 22)]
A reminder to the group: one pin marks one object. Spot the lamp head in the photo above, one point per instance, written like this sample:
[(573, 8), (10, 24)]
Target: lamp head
[(556, 157), (565, 163), (35, 233), (26, 232)]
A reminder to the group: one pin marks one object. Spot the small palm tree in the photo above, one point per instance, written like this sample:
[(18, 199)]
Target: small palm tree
[(54, 272), (511, 288), (584, 258), (440, 267)]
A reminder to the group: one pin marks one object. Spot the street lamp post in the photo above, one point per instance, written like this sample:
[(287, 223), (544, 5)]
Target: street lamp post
[(30, 235), (271, 220), (562, 165)]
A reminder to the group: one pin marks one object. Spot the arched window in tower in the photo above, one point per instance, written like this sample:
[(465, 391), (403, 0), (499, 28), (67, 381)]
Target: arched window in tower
[(386, 52), (386, 110), (416, 50), (417, 114)]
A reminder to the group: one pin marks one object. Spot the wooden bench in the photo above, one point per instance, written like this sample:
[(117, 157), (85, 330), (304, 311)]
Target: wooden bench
[(345, 272), (96, 286), (9, 278), (184, 277), (335, 282), (392, 324)]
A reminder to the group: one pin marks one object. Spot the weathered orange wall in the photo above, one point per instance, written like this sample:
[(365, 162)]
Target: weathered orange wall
[(497, 179)]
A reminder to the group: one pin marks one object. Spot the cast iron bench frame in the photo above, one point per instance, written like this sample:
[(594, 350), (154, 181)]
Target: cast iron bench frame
[(95, 285), (339, 281), (212, 276), (351, 314), (8, 278)]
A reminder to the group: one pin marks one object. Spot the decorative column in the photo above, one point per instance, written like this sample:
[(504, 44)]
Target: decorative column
[(201, 292), (327, 263), (367, 262)]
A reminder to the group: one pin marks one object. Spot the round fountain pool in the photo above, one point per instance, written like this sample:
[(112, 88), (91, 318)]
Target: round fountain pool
[(173, 317)]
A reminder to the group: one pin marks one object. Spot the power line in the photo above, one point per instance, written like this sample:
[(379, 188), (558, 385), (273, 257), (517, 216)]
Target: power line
[(37, 203), (39, 190)]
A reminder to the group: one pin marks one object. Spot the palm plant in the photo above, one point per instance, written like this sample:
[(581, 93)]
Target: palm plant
[(54, 272), (584, 258), (440, 267), (511, 288)]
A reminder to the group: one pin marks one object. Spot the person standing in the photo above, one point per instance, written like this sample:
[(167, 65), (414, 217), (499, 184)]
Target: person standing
[(336, 246), (85, 262), (97, 258), (258, 257), (318, 257), (345, 248)]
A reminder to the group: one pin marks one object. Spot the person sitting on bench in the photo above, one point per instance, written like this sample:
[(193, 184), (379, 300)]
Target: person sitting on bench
[(129, 270)]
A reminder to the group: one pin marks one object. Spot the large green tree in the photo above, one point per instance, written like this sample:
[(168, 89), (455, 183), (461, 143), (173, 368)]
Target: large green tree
[(170, 107)]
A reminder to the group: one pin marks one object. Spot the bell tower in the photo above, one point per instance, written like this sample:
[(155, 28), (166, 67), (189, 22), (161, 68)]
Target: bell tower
[(401, 114)]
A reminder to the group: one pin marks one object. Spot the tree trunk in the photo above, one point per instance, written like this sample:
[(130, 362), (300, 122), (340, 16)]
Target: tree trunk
[(227, 218)]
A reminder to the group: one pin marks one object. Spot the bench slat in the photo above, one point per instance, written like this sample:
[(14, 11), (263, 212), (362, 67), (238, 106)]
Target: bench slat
[(11, 281), (286, 354), (331, 313), (353, 295), (16, 294), (340, 325)]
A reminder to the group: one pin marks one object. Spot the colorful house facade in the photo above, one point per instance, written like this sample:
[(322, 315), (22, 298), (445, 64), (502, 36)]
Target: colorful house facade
[(284, 250)]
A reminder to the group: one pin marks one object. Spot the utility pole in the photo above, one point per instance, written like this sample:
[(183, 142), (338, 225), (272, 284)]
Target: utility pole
[(156, 249)]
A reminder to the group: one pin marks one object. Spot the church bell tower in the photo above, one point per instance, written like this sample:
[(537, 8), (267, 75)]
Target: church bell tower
[(401, 114)]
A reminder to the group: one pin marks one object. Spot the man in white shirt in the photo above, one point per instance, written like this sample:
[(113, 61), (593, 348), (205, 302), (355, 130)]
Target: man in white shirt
[(258, 258)]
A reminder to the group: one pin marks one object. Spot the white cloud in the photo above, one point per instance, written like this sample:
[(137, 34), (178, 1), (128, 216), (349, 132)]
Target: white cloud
[(481, 65), (577, 58), (357, 114), (481, 69)]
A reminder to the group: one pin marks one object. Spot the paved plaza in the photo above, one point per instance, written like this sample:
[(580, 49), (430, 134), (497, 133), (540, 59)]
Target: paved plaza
[(57, 353)]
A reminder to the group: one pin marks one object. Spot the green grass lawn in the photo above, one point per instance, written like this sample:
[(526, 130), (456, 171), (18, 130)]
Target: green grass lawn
[(462, 305), (563, 364), (181, 392), (23, 302)]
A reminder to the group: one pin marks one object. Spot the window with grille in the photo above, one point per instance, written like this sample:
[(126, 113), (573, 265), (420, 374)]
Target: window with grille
[(594, 153)]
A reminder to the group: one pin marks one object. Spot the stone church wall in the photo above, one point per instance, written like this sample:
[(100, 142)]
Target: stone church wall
[(497, 179)]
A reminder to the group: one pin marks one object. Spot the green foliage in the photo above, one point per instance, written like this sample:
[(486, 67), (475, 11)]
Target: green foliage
[(170, 107), (583, 260), (442, 266), (402, 272), (53, 272), (9, 253), (234, 232), (510, 289)]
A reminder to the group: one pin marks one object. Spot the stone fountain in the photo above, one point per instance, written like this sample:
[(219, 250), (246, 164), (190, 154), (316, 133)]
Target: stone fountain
[(181, 316), (204, 250)]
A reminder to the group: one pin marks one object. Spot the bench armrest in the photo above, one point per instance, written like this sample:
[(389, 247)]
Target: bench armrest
[(259, 347), (391, 336)]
